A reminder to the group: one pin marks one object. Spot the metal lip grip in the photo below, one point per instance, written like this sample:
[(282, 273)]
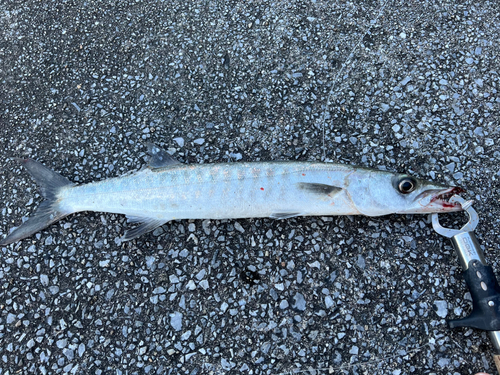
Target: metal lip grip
[(464, 241), (479, 276)]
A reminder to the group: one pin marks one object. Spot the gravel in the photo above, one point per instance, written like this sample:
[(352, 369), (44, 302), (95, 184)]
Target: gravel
[(407, 86)]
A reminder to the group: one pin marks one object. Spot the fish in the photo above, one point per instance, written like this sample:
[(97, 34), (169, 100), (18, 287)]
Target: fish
[(168, 190)]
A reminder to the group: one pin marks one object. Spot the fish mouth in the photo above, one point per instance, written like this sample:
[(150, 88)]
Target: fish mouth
[(439, 200)]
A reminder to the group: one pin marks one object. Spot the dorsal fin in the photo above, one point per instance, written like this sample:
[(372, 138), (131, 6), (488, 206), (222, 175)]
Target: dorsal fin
[(159, 157)]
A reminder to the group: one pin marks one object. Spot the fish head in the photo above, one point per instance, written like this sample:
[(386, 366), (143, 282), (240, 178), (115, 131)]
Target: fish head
[(384, 193)]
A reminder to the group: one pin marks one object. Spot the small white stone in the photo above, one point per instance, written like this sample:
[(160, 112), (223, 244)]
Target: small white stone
[(180, 141), (442, 308), (44, 279)]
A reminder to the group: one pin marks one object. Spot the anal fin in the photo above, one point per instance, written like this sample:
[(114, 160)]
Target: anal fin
[(136, 219), (284, 215), (147, 225)]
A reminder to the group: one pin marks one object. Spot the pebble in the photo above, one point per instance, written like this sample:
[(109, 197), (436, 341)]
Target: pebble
[(238, 227), (62, 343), (300, 302), (44, 279), (176, 321), (10, 318), (199, 141), (361, 262), (441, 308), (200, 275), (70, 354), (329, 302), (81, 349), (179, 141)]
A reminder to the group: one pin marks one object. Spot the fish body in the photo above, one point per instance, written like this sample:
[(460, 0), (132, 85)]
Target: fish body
[(219, 191), (168, 190)]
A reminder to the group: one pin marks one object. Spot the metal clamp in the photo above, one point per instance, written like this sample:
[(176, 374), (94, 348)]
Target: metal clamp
[(482, 283), (464, 241), (469, 227)]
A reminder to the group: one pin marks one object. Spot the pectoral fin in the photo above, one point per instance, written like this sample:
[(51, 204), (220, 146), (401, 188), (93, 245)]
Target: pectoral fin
[(322, 189), (147, 225)]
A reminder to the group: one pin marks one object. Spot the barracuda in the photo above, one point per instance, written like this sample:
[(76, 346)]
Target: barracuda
[(168, 190)]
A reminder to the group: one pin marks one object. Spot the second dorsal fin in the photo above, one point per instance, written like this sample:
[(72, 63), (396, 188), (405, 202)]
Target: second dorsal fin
[(159, 158)]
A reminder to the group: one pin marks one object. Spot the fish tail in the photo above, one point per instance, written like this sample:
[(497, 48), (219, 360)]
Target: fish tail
[(49, 211)]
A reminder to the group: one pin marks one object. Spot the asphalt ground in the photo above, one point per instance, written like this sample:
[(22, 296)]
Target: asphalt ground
[(405, 86)]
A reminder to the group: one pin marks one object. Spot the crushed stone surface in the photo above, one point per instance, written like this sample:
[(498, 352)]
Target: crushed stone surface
[(402, 86)]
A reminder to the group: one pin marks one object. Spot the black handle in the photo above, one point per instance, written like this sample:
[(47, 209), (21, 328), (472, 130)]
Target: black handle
[(485, 292)]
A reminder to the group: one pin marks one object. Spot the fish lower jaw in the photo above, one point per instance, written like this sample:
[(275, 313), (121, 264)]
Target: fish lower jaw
[(447, 206), (441, 201)]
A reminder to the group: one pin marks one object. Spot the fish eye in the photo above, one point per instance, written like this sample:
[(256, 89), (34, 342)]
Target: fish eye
[(407, 185)]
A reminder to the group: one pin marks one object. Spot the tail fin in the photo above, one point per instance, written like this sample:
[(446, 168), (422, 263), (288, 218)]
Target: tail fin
[(48, 212)]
